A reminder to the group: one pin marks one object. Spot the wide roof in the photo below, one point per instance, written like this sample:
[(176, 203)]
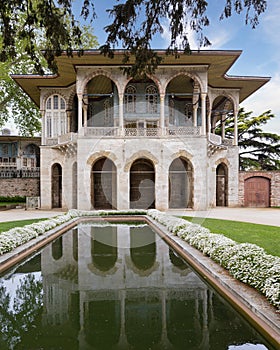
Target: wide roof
[(218, 62)]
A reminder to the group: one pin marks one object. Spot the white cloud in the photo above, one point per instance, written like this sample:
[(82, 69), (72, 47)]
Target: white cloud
[(267, 98)]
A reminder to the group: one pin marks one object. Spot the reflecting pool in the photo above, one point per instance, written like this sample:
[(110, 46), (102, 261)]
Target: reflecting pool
[(115, 287)]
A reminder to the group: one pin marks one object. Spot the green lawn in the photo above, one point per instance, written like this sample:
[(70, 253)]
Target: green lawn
[(5, 226), (267, 237)]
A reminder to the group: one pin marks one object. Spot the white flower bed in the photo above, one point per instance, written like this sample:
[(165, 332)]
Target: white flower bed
[(246, 262), (17, 236)]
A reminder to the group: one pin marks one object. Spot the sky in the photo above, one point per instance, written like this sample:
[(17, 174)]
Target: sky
[(260, 49)]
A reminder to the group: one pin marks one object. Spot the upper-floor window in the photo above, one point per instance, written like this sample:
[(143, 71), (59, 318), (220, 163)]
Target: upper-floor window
[(55, 116), (151, 99), (130, 99)]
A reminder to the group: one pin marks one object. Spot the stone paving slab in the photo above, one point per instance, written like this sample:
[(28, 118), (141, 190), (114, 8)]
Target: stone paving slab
[(264, 216)]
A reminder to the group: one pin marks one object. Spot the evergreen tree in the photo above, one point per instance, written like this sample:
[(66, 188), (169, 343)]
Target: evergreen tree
[(258, 149)]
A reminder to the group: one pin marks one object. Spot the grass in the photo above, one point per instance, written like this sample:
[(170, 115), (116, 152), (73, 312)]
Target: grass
[(265, 236), (5, 226)]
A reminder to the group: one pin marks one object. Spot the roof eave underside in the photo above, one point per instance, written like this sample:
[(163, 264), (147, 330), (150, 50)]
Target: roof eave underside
[(219, 62)]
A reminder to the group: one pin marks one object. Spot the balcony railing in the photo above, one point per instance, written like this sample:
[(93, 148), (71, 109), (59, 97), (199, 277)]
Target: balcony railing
[(219, 141), (95, 132)]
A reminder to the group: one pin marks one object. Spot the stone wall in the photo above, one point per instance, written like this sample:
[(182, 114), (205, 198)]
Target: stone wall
[(29, 187), (273, 176)]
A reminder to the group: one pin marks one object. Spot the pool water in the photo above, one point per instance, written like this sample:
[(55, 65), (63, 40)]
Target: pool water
[(115, 287)]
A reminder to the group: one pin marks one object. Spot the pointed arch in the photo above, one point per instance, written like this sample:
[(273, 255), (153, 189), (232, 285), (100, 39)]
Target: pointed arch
[(56, 185), (142, 184), (222, 185), (104, 184), (181, 183)]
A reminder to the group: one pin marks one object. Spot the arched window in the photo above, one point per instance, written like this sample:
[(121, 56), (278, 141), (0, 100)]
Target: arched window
[(130, 99), (55, 116), (151, 99)]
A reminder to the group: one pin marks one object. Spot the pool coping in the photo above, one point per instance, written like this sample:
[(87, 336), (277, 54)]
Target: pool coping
[(249, 302)]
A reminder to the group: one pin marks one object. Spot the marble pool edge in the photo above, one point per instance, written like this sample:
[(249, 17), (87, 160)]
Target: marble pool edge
[(249, 302)]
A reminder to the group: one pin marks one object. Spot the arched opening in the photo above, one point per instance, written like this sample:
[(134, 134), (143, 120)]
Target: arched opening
[(180, 184), (183, 101), (222, 108), (57, 248), (142, 184), (102, 325), (221, 185), (100, 98), (142, 248), (104, 252), (183, 323), (143, 319), (141, 107), (257, 192), (104, 184), (56, 186)]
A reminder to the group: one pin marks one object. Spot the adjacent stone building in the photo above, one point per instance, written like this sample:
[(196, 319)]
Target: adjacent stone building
[(109, 141), (19, 165)]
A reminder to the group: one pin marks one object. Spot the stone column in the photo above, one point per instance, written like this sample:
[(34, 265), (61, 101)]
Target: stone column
[(121, 114), (161, 185), (223, 126), (44, 127), (203, 113), (235, 140), (195, 107), (80, 111), (162, 117)]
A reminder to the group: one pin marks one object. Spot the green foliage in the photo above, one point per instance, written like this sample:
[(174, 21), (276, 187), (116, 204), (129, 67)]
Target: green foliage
[(14, 103), (134, 24), (258, 150), (28, 20), (15, 199)]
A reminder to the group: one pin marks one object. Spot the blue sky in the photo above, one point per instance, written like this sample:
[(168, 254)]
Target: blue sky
[(260, 46)]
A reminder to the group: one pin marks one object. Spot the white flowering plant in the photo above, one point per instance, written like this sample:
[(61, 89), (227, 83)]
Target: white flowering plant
[(246, 262)]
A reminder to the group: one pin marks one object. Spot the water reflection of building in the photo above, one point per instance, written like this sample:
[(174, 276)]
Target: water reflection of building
[(98, 288)]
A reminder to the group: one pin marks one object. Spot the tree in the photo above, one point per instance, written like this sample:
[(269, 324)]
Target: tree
[(14, 103), (258, 150), (134, 25)]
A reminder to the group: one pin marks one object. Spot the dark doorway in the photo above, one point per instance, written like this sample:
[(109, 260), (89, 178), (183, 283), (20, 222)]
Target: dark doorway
[(221, 185), (142, 184), (180, 184), (56, 186), (104, 184)]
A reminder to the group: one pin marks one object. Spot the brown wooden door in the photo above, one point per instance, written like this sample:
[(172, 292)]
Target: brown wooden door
[(257, 192)]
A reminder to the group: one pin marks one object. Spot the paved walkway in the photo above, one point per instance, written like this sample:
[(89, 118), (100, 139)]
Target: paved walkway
[(266, 216)]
